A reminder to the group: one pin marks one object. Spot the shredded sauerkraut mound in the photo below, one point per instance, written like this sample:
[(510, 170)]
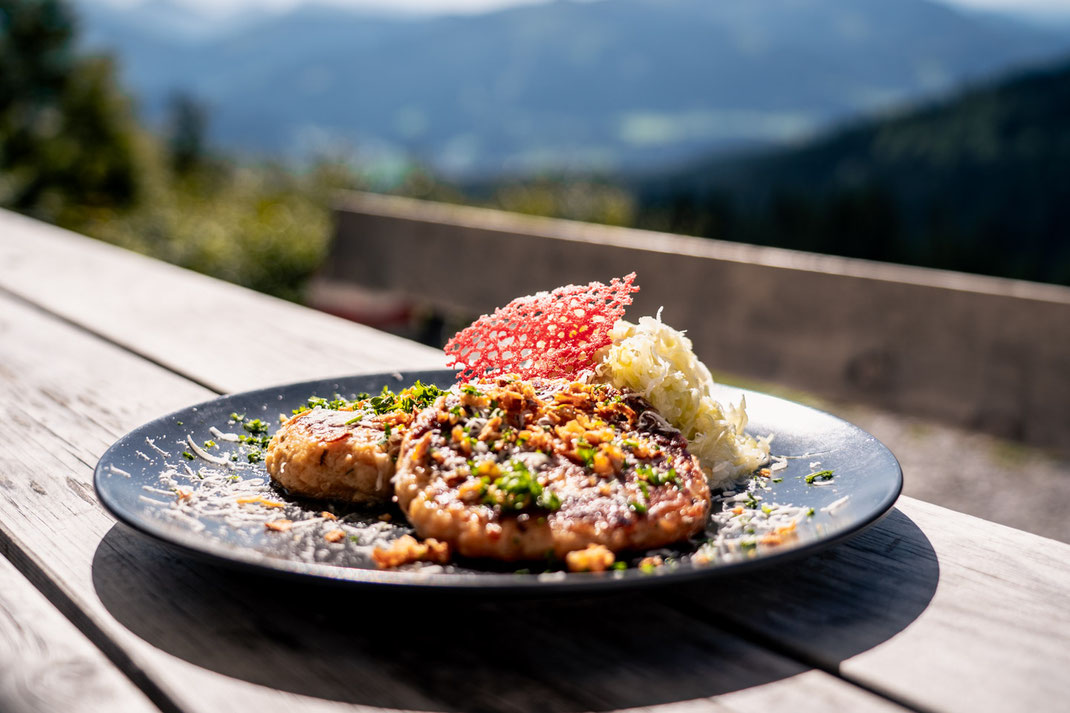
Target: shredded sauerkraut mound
[(657, 361)]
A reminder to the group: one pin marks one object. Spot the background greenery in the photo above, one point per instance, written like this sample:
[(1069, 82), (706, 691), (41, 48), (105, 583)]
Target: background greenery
[(72, 153)]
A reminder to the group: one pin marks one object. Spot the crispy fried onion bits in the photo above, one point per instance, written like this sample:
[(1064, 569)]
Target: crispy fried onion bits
[(522, 470)]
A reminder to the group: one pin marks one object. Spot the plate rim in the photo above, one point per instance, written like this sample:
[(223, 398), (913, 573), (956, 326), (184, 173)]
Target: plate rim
[(487, 582)]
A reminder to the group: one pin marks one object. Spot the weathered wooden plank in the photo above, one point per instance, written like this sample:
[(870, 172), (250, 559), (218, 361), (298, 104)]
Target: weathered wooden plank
[(68, 411), (205, 639), (46, 664), (226, 337), (934, 608)]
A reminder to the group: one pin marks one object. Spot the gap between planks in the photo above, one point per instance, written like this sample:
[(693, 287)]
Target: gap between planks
[(45, 311), (21, 559), (46, 664)]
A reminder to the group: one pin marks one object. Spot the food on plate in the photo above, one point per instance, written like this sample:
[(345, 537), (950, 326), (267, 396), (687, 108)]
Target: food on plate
[(323, 454), (571, 435), (517, 469), (347, 450), (657, 361), (578, 332), (408, 549)]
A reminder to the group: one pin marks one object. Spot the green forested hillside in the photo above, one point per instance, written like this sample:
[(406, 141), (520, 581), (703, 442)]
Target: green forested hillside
[(979, 182), (72, 152)]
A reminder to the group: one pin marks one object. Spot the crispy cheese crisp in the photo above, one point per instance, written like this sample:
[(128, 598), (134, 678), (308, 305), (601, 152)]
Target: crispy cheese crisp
[(548, 334)]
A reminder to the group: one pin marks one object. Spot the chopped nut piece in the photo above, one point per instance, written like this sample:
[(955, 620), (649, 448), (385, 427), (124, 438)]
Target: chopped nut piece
[(602, 464), (596, 558), (279, 525), (471, 491), (335, 536), (421, 448), (648, 563), (407, 549), (260, 501), (705, 555), (488, 468), (490, 430)]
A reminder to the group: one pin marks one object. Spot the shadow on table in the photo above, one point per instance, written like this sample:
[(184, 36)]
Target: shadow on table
[(441, 652)]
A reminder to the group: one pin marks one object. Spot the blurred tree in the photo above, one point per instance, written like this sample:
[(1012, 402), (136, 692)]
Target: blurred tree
[(67, 137), (187, 124)]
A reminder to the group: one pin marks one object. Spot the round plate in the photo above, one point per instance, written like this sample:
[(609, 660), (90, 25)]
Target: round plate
[(153, 480)]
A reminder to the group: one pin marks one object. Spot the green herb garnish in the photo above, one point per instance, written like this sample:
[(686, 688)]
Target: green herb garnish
[(518, 490), (821, 475), (668, 476), (255, 426), (335, 404)]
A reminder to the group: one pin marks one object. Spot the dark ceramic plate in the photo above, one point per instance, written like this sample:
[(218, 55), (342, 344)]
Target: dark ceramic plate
[(145, 480)]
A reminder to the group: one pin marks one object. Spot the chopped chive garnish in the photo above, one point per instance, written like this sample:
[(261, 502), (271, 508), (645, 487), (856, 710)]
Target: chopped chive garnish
[(821, 475)]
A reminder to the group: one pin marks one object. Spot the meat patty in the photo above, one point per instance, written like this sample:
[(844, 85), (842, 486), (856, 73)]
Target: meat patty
[(345, 450), (340, 455), (522, 470)]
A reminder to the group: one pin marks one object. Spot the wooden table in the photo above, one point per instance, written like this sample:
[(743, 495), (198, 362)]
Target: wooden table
[(928, 610)]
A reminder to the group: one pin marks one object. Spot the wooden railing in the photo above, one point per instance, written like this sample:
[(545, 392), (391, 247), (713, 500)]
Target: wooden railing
[(990, 354)]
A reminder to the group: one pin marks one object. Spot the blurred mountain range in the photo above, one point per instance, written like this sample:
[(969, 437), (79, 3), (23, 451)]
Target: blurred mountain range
[(618, 84), (979, 182)]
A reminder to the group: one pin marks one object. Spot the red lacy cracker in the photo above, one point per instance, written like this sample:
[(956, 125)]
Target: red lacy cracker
[(548, 334)]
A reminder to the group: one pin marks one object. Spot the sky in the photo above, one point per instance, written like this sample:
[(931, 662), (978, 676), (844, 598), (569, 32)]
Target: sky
[(1030, 7)]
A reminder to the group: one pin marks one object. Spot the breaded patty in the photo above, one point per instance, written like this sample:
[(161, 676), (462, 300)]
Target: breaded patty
[(340, 455), (522, 470), (345, 450)]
